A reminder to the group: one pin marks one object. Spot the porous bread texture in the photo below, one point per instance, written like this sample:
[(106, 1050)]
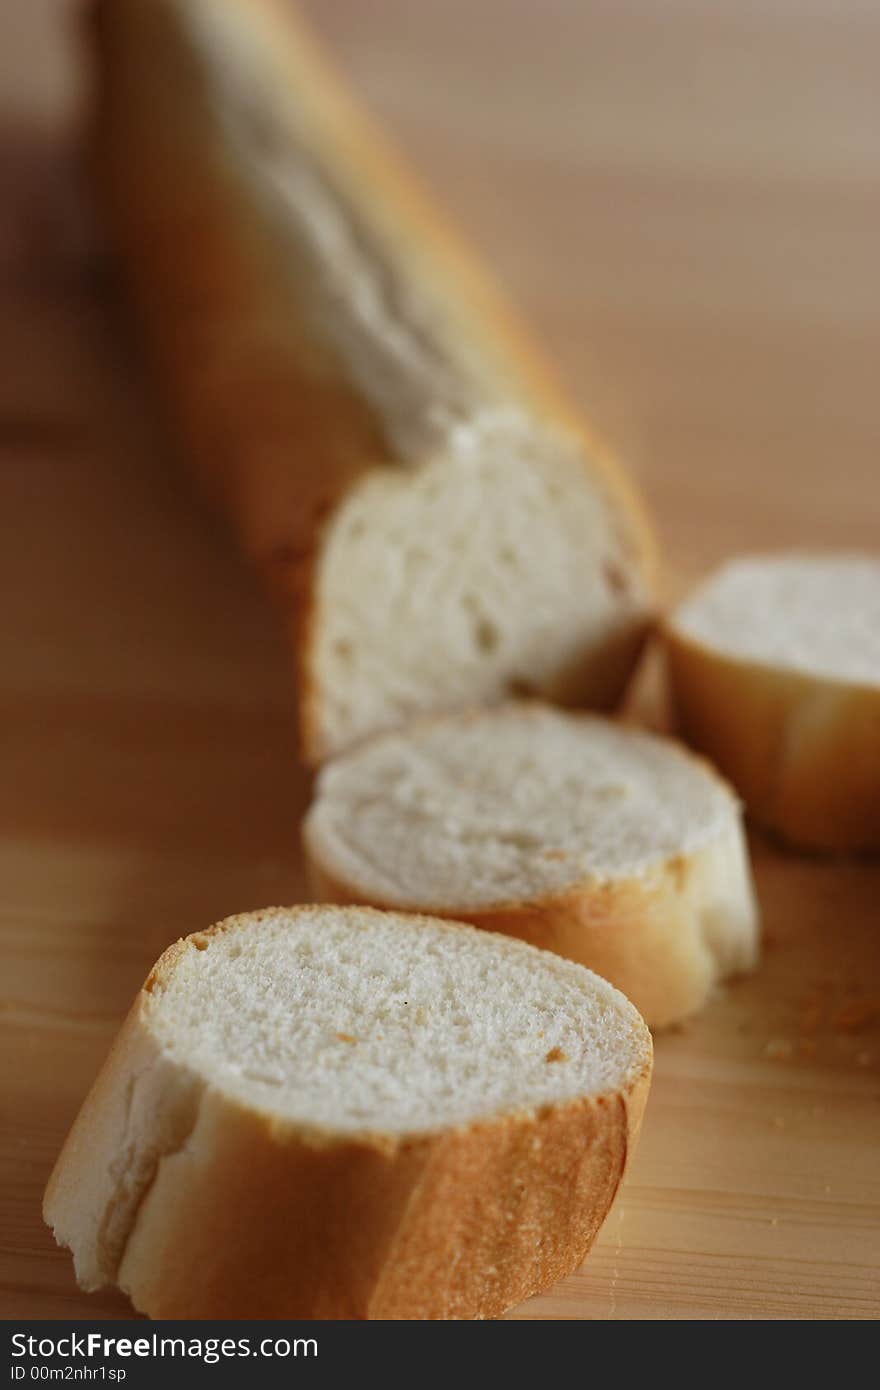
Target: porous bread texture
[(439, 524), (774, 666), (491, 570), (605, 843), (343, 1113), (370, 1022), (488, 808)]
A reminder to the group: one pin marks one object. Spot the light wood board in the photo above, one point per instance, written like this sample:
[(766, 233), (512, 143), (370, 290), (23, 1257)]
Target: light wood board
[(686, 200)]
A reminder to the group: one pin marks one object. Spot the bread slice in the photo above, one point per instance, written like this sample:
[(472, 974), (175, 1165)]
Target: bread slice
[(774, 665), (341, 1113), (438, 523), (607, 844)]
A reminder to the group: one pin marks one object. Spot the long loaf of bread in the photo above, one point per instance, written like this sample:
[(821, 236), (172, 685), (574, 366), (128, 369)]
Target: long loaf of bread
[(439, 524)]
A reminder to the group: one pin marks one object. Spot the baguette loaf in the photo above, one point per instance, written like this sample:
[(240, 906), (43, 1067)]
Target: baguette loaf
[(612, 846), (340, 1113), (438, 524), (774, 667)]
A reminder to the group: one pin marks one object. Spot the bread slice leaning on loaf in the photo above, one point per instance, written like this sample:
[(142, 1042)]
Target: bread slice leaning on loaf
[(321, 1112), (774, 666), (440, 526), (610, 845)]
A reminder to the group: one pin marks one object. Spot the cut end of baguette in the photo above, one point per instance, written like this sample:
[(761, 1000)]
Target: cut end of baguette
[(499, 568), (438, 522)]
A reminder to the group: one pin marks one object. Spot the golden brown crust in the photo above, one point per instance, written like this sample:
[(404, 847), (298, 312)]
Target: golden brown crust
[(803, 751), (457, 1225), (276, 431)]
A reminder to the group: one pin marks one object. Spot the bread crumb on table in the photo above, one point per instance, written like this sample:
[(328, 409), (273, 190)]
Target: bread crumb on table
[(779, 1049), (856, 1014)]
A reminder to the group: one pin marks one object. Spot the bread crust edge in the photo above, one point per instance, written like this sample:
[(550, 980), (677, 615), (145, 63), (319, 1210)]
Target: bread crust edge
[(802, 750)]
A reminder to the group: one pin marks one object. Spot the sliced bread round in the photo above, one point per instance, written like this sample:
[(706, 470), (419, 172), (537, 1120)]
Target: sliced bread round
[(342, 1113), (774, 666), (607, 844)]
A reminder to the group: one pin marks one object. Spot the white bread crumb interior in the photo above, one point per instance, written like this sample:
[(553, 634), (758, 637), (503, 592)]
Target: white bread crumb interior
[(355, 1020), (512, 804), (815, 614)]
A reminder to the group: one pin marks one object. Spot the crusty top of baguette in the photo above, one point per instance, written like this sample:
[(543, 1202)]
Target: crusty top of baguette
[(509, 805), (349, 1020), (815, 614), (365, 290), (357, 273)]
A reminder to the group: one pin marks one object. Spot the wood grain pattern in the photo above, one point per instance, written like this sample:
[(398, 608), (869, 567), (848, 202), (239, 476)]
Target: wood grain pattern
[(686, 199)]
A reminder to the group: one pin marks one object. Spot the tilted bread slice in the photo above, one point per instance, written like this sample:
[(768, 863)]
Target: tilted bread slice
[(774, 665), (342, 1113), (439, 524), (607, 844)]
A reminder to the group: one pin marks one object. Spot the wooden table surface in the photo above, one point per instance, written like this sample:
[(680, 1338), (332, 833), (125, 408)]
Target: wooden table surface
[(686, 198)]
